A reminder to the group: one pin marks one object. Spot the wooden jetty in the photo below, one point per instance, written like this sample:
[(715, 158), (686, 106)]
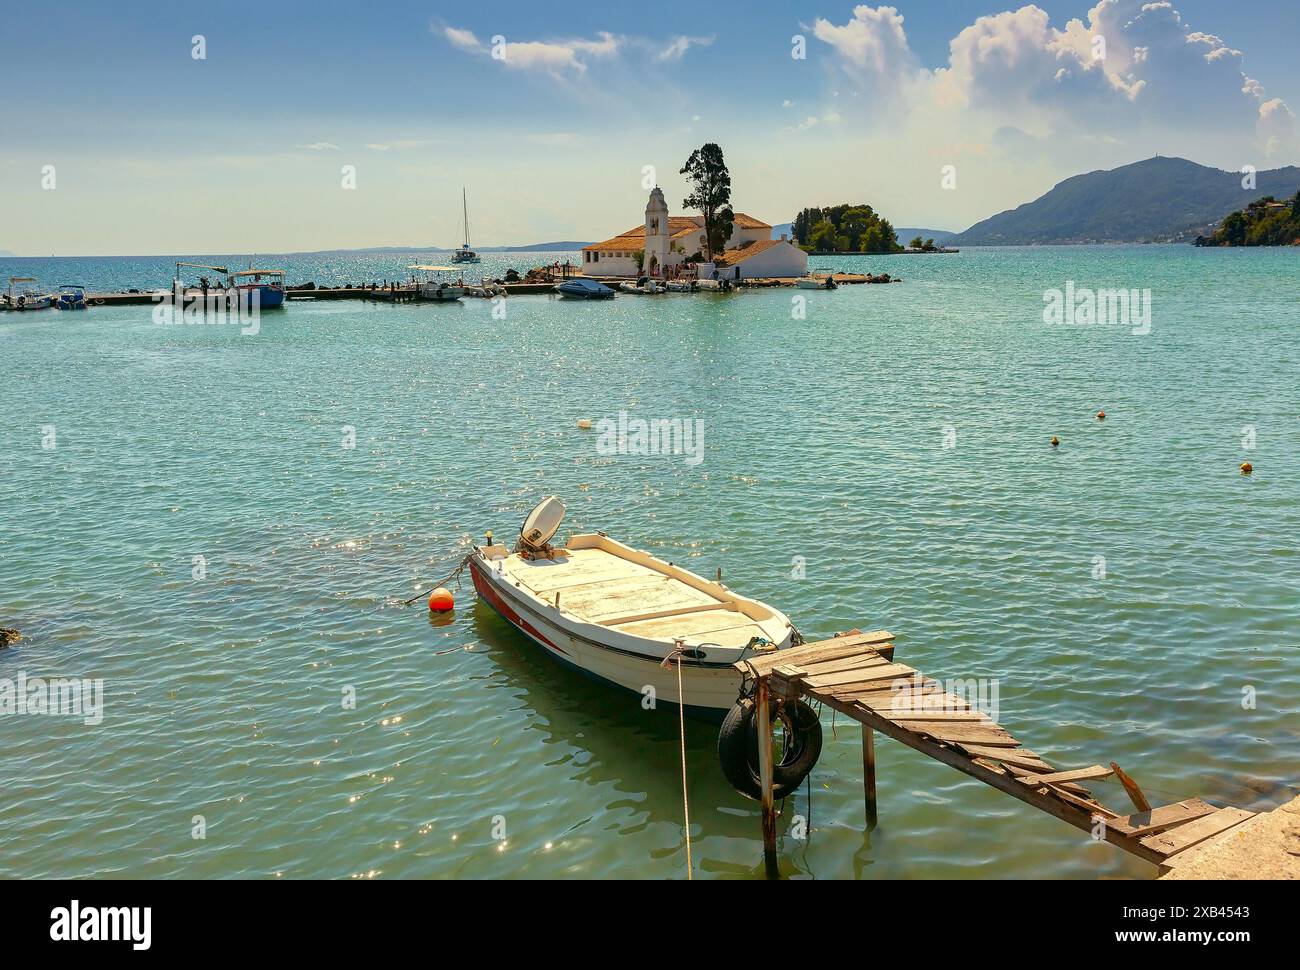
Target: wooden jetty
[(856, 675)]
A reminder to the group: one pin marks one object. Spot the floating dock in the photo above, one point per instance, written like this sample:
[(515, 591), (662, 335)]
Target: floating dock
[(857, 676)]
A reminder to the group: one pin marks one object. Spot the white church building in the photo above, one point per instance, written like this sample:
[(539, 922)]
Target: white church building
[(668, 242)]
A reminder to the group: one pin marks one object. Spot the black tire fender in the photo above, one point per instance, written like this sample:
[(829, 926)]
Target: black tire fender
[(738, 748)]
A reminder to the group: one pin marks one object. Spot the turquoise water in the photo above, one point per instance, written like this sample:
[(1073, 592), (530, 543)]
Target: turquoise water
[(824, 439)]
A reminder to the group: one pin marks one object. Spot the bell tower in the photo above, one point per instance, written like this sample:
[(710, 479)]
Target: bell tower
[(657, 234)]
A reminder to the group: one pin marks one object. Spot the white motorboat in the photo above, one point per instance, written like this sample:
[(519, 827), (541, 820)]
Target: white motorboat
[(434, 286), (619, 614), (464, 254), (680, 286), (28, 297)]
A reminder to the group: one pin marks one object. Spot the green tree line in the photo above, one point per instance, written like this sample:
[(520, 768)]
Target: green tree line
[(1263, 223), (846, 228)]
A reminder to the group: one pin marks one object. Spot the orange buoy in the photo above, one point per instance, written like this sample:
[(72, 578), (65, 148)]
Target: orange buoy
[(1055, 441), (440, 600), (1247, 468), (1101, 415)]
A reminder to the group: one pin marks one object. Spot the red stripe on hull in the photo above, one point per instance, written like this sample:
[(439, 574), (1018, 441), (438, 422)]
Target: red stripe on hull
[(485, 589)]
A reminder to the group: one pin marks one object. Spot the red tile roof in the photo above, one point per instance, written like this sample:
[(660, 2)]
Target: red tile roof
[(678, 226)]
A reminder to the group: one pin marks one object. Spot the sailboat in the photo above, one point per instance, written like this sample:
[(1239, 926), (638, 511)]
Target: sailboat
[(465, 254)]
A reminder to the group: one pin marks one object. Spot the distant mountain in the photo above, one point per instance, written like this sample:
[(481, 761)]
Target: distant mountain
[(940, 236), (1157, 200), (5, 252)]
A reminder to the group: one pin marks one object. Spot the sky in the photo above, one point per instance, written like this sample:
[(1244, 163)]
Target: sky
[(549, 115)]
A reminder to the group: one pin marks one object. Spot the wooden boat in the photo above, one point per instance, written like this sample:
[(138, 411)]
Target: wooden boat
[(616, 613)]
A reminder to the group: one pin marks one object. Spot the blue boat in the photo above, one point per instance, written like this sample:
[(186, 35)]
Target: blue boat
[(267, 283), (585, 289), (71, 297)]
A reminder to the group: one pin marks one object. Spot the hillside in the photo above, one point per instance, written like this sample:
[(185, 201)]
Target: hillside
[(1157, 200)]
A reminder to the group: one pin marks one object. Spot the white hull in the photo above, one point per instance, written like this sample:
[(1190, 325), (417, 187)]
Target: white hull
[(592, 630), (431, 291)]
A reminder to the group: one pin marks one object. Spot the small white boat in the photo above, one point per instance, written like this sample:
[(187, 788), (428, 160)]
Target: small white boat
[(680, 286), (464, 254), (28, 298), (433, 286), (815, 282), (617, 613), (584, 289), (710, 286)]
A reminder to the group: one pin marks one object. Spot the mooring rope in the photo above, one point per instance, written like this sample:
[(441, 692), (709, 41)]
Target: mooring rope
[(681, 723), (453, 577)]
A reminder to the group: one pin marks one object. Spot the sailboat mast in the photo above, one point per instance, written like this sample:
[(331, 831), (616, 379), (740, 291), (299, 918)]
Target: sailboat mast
[(465, 214)]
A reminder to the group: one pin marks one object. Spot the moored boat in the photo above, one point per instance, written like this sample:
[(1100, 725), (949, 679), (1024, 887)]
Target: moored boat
[(71, 297), (434, 287), (584, 289), (464, 254), (266, 284), (619, 614), (826, 282), (28, 298)]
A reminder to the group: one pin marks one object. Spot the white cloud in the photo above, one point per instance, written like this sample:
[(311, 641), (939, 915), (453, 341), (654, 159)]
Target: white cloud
[(557, 57), (676, 50), (1133, 68), (320, 146)]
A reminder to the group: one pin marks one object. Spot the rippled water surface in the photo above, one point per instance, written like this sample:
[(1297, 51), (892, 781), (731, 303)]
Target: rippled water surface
[(823, 439)]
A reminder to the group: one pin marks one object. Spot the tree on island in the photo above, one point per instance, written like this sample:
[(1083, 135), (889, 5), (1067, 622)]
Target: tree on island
[(710, 195), (923, 245), (1267, 222), (845, 229)]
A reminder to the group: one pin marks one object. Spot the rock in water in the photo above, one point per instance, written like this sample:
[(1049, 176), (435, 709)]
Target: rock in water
[(8, 636)]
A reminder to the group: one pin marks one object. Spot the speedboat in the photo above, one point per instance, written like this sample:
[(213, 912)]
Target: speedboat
[(584, 289), (267, 284), (28, 298), (71, 297), (434, 287), (624, 617), (680, 286), (826, 282), (464, 254)]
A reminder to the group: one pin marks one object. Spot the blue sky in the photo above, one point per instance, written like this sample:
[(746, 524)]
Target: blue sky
[(155, 151)]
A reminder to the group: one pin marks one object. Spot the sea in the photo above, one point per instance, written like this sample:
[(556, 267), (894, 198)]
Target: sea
[(212, 532)]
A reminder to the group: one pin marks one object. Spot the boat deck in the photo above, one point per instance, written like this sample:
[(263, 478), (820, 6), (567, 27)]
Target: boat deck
[(599, 587)]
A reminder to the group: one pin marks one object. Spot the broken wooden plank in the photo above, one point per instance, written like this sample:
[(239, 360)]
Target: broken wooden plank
[(1164, 817), (1135, 795), (1078, 774), (1194, 833)]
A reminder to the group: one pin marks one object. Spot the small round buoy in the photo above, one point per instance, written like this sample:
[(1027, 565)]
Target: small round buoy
[(1101, 415), (440, 600), (1247, 468), (1055, 441), (584, 423)]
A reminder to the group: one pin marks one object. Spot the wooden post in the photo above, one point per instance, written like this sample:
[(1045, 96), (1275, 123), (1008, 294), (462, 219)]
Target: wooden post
[(869, 774), (764, 722)]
